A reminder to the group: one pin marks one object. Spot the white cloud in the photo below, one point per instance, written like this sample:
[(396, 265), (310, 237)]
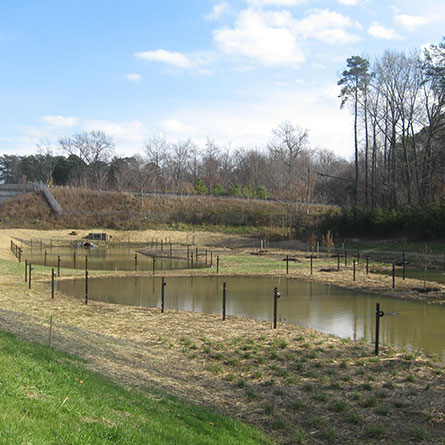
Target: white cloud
[(177, 128), (259, 36), (218, 10), (275, 2), (349, 2), (412, 22), (276, 37), (172, 58), (380, 32), (249, 123), (61, 121), (134, 77), (328, 27), (129, 131)]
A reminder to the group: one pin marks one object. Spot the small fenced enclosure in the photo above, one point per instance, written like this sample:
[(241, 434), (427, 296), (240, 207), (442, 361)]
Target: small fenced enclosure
[(73, 254)]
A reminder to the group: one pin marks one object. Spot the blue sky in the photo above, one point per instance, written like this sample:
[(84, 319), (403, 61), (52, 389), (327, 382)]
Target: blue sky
[(230, 70)]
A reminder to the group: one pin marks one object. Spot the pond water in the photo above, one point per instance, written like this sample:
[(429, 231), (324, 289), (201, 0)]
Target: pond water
[(101, 258), (328, 309)]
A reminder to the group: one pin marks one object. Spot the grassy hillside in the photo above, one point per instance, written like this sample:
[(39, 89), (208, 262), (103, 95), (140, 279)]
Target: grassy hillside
[(85, 208), (49, 397)]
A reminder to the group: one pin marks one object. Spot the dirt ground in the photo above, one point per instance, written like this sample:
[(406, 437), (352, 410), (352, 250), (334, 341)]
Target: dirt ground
[(293, 382)]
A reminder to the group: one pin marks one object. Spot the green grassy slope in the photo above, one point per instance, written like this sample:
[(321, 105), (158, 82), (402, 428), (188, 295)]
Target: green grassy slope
[(47, 397)]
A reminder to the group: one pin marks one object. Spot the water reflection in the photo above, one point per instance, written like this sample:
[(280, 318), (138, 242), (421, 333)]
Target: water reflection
[(329, 309), (102, 258)]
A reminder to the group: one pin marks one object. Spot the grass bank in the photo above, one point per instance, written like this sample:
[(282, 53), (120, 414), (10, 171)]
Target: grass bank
[(49, 397), (125, 211)]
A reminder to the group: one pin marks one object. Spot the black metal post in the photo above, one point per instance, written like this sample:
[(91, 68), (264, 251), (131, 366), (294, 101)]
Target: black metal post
[(403, 265), (162, 245), (58, 266), (311, 264), (206, 257), (346, 258), (86, 286), (353, 270), (170, 250), (276, 295), (29, 278), (163, 284), (74, 260), (211, 258), (224, 301), (378, 314), (52, 282), (44, 261), (26, 271), (393, 275), (367, 265), (287, 264), (196, 258), (217, 264), (154, 265), (136, 261), (191, 258), (86, 262), (338, 262)]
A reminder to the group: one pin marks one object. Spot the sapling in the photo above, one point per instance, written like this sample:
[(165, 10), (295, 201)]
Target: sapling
[(328, 241), (425, 258)]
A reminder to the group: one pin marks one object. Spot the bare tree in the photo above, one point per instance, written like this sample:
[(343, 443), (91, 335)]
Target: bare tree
[(94, 149), (141, 175), (288, 143), (120, 173), (45, 153), (156, 149), (179, 157), (288, 157)]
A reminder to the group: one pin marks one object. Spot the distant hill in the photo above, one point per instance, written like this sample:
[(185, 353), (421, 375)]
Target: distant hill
[(85, 209)]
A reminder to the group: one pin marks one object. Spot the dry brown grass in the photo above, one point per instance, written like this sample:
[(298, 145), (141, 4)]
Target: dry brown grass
[(125, 211), (334, 391)]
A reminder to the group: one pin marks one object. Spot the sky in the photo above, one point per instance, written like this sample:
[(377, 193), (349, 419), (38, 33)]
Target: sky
[(228, 70)]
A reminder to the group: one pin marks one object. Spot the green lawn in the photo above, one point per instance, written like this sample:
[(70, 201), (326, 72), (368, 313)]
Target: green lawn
[(47, 397)]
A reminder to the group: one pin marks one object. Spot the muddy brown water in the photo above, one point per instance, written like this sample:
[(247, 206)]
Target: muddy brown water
[(115, 258), (329, 309)]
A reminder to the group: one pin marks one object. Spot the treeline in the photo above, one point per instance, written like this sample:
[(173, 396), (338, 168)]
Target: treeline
[(399, 127), (414, 222), (284, 170), (397, 102)]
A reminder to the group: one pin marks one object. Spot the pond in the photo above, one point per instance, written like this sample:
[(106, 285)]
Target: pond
[(102, 258), (328, 309)]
